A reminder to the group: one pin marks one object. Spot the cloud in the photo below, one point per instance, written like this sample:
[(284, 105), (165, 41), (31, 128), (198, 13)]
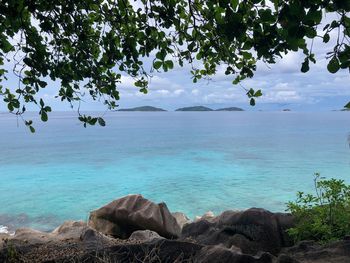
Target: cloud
[(195, 92), (178, 92)]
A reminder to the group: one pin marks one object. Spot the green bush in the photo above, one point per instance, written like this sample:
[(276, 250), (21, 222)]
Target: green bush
[(323, 216)]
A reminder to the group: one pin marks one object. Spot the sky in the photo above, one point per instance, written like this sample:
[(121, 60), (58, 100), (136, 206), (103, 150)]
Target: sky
[(282, 84)]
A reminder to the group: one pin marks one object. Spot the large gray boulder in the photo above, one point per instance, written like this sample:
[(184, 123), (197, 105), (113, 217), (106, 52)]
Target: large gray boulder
[(252, 230), (123, 216)]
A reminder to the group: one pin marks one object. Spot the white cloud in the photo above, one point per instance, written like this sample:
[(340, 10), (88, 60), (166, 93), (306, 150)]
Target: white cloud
[(178, 92), (195, 92)]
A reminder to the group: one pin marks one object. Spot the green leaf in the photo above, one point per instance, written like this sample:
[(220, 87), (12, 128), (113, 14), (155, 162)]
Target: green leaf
[(47, 109), (144, 90), (258, 93), (326, 38), (44, 116), (247, 55), (10, 106), (252, 102), (234, 4), (235, 81), (161, 55), (29, 123), (305, 66), (31, 128), (157, 64), (92, 121), (169, 64), (101, 122), (333, 65), (347, 105)]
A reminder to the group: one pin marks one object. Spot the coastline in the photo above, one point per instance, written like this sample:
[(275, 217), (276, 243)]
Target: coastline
[(150, 231)]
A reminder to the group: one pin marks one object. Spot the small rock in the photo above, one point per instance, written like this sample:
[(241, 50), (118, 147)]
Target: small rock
[(181, 219), (144, 235), (209, 216), (67, 226), (92, 237)]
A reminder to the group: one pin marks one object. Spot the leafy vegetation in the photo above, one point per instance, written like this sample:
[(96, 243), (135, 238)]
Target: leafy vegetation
[(87, 45), (323, 216)]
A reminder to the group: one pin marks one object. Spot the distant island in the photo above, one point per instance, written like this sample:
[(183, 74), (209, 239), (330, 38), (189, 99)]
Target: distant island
[(192, 108), (195, 108), (230, 109), (286, 110), (143, 108)]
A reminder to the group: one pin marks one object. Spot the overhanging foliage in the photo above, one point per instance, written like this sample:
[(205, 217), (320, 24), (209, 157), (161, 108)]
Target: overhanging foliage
[(87, 45)]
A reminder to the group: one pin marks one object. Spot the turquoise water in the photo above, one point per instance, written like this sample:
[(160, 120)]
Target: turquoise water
[(193, 161)]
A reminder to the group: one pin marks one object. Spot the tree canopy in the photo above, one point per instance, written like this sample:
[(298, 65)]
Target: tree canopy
[(87, 45)]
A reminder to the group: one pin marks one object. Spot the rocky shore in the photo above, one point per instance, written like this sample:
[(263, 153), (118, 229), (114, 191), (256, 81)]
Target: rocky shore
[(134, 229)]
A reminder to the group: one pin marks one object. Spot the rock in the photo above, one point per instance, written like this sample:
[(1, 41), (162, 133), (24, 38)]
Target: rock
[(30, 237), (144, 235), (285, 221), (236, 249), (286, 259), (197, 218), (219, 254), (67, 226), (181, 219), (158, 250), (3, 239), (197, 229), (208, 216), (123, 216), (252, 231), (70, 230), (95, 239), (311, 252)]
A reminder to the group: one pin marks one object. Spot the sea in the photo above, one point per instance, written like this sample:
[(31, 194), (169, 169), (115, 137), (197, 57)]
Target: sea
[(193, 161)]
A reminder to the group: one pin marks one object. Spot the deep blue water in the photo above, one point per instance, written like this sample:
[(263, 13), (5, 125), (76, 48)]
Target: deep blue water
[(193, 161)]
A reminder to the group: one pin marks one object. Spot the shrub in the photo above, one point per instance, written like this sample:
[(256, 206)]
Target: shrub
[(323, 216)]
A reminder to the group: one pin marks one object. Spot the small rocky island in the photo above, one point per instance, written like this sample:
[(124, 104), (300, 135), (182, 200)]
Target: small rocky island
[(195, 108), (134, 229), (143, 108), (230, 109)]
